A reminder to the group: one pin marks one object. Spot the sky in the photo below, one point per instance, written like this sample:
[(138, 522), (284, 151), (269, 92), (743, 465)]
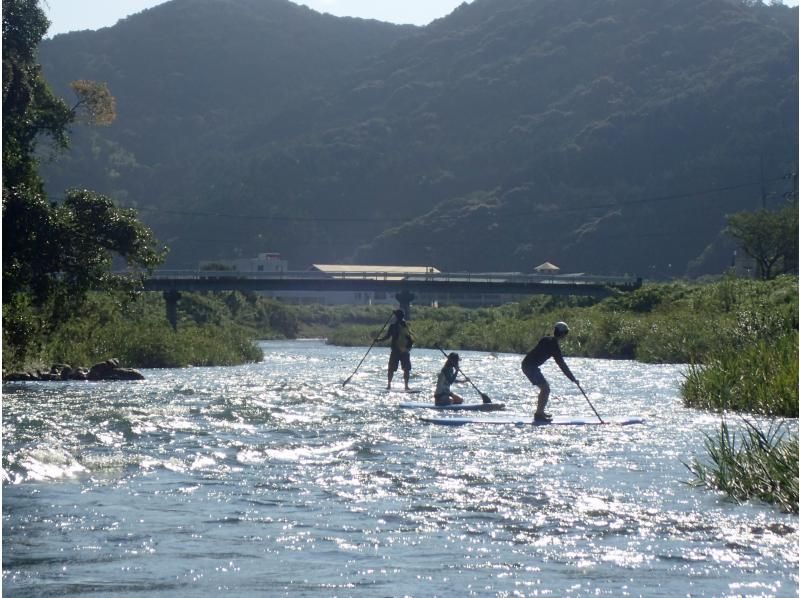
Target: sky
[(76, 15)]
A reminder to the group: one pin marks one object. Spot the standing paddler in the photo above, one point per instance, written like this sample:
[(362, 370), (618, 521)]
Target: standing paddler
[(547, 347), (402, 341)]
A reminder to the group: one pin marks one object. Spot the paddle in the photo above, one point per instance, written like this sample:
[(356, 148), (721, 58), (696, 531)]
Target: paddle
[(485, 397), (368, 350), (590, 403)]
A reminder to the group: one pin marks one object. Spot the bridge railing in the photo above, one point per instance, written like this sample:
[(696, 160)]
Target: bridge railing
[(454, 277), (520, 278), (283, 275)]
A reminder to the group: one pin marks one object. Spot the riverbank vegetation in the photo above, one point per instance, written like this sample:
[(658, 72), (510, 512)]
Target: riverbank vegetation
[(212, 329)]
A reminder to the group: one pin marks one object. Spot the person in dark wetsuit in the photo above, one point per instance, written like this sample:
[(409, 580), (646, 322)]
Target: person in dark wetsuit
[(546, 348), (402, 341)]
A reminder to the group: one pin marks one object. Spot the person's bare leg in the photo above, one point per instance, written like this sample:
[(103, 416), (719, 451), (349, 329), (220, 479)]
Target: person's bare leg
[(406, 375), (390, 376), (544, 395)]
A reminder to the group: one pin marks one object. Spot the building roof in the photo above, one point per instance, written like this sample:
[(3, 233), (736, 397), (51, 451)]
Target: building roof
[(547, 267), (383, 272)]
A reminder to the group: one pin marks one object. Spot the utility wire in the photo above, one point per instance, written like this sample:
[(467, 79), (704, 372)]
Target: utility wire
[(350, 219)]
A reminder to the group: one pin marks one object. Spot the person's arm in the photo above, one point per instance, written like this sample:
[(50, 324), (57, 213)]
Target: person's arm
[(411, 338), (559, 359), (388, 334), (452, 375)]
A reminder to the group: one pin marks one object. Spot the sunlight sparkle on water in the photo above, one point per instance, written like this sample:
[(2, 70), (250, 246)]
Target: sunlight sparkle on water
[(274, 477)]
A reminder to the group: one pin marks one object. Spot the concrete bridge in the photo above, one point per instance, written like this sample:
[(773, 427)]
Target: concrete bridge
[(403, 286)]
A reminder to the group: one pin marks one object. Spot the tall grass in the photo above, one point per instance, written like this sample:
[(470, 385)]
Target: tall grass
[(753, 464), (761, 377)]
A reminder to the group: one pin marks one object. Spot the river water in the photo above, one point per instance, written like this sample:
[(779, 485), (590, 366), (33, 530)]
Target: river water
[(272, 479)]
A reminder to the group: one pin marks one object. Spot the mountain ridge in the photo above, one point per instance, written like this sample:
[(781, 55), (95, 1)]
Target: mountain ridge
[(518, 132)]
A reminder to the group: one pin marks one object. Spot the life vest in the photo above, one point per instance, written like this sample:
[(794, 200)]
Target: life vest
[(404, 339)]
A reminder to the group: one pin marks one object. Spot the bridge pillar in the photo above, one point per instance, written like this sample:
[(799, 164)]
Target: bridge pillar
[(171, 299), (404, 298)]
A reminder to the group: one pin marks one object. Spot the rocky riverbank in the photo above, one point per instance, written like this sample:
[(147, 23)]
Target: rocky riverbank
[(105, 370)]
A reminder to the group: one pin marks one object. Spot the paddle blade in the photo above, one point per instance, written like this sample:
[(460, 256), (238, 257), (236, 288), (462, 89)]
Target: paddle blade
[(486, 398)]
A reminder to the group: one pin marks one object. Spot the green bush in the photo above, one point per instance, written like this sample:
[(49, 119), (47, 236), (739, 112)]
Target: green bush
[(136, 331), (22, 332)]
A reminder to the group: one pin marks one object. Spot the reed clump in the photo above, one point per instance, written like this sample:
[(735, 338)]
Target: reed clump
[(751, 464)]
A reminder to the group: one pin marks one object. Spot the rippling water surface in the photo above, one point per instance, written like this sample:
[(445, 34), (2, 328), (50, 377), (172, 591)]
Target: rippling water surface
[(272, 479)]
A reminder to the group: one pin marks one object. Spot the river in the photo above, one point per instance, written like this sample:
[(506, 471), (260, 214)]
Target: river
[(272, 479)]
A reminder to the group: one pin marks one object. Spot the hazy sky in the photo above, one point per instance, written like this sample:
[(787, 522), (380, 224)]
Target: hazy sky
[(75, 15)]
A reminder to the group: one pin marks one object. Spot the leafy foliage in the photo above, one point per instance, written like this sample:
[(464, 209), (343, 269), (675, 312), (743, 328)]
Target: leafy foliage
[(213, 329), (29, 107), (60, 251), (95, 103), (53, 253), (769, 237), (148, 341)]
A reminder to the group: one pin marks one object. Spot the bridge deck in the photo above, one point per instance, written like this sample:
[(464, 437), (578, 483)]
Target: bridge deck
[(440, 282)]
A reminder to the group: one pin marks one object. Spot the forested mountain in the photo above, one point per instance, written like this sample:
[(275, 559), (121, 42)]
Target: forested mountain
[(608, 136)]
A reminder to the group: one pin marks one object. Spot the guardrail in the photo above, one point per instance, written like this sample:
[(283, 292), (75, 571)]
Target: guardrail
[(485, 278)]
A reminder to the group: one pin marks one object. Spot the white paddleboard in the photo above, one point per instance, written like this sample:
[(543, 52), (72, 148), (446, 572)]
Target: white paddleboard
[(528, 421), (460, 407)]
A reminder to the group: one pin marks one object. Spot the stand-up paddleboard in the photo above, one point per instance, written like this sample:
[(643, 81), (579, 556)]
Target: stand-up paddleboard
[(459, 407), (410, 391), (528, 421)]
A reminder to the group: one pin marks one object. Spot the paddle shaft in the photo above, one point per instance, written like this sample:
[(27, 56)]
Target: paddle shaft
[(368, 350), (590, 404), (485, 397)]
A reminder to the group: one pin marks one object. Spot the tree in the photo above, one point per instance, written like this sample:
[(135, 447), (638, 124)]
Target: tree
[(30, 109), (95, 103), (54, 253), (769, 237)]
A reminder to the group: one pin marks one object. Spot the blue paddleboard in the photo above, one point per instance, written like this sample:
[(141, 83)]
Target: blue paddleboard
[(461, 407), (528, 421)]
